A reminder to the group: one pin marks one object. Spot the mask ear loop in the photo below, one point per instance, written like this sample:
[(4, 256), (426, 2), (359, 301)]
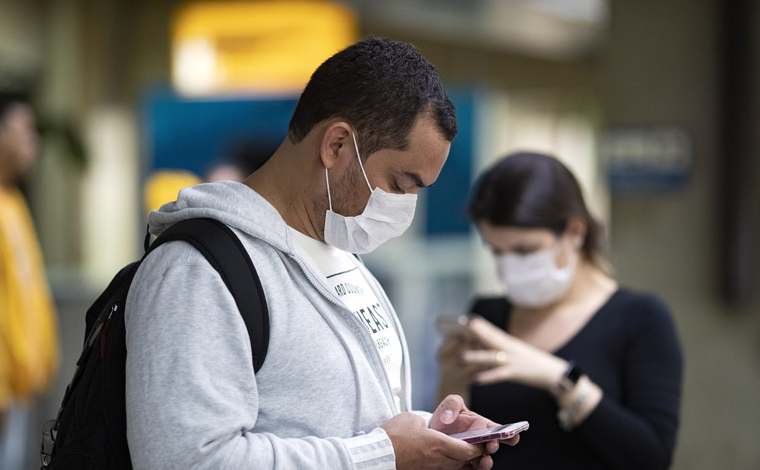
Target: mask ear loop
[(575, 244), (353, 135), (557, 248), (327, 179)]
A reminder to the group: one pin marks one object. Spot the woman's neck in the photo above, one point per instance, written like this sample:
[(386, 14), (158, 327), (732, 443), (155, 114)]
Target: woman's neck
[(550, 327)]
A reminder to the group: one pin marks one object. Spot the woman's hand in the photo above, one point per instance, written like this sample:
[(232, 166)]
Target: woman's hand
[(456, 377), (508, 358)]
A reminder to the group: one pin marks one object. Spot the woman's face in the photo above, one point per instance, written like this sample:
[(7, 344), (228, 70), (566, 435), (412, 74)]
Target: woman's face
[(505, 240)]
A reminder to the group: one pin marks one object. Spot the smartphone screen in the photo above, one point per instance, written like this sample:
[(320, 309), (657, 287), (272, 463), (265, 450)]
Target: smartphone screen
[(504, 431), (448, 326)]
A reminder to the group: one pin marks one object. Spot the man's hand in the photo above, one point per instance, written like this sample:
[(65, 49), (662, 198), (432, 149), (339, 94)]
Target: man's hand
[(420, 448), (452, 416)]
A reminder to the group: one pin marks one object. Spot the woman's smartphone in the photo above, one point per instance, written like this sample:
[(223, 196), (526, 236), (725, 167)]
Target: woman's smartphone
[(499, 433), (454, 325)]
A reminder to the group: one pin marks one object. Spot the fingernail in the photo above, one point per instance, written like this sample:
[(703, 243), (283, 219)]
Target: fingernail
[(447, 417)]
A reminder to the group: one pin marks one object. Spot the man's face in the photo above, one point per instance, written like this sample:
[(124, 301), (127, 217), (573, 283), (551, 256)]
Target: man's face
[(393, 171), (18, 142)]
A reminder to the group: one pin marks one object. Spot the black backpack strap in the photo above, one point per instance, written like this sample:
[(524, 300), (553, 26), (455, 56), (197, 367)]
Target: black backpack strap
[(224, 251)]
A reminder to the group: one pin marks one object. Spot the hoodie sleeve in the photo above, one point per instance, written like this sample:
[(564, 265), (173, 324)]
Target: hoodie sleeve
[(191, 393)]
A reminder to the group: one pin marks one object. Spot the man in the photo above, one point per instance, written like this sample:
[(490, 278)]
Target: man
[(28, 329), (372, 127)]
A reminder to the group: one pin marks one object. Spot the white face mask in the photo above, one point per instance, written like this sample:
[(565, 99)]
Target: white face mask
[(534, 280), (386, 216)]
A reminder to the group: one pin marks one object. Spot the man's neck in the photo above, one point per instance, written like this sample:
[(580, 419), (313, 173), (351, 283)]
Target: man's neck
[(282, 181)]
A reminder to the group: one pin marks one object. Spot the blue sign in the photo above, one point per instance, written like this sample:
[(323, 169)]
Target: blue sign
[(191, 134), (647, 159), (447, 199)]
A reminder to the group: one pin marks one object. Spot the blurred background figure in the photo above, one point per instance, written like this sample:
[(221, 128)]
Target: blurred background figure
[(244, 159), (28, 325), (163, 185), (595, 368)]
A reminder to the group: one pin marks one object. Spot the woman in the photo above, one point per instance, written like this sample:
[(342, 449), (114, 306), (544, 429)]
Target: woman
[(595, 368)]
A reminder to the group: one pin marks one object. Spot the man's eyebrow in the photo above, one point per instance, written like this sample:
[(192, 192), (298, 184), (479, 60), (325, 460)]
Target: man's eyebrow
[(417, 180)]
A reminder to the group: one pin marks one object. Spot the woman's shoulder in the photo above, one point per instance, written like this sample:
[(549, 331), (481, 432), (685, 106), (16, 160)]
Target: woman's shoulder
[(629, 298), (640, 308)]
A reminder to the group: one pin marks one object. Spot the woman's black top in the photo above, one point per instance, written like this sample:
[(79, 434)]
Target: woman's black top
[(630, 349)]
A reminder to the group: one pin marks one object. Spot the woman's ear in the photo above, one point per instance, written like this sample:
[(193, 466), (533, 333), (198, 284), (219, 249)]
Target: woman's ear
[(334, 150), (575, 230)]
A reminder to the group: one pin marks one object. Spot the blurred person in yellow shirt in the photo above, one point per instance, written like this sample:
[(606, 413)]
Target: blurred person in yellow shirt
[(28, 326)]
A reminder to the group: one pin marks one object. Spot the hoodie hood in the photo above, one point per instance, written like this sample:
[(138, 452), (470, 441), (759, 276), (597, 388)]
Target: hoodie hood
[(234, 204)]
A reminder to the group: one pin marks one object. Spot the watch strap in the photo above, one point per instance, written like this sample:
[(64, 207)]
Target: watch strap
[(569, 379)]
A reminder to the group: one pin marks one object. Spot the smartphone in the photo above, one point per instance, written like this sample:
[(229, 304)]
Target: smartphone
[(449, 326), (505, 431)]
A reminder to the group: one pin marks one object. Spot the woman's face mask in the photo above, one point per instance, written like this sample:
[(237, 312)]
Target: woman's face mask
[(386, 216), (533, 280)]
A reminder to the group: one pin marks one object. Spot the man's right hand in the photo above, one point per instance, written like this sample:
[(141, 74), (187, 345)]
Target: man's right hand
[(418, 447)]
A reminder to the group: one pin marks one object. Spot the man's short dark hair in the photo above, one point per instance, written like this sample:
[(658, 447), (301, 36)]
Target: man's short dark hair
[(379, 86), (10, 98)]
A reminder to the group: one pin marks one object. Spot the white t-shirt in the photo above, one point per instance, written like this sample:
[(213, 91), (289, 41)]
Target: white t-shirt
[(341, 273)]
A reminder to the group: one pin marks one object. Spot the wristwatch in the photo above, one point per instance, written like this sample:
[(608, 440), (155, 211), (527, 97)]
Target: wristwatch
[(568, 381)]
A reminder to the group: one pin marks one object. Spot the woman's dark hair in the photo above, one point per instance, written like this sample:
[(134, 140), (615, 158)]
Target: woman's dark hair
[(535, 191), (379, 86)]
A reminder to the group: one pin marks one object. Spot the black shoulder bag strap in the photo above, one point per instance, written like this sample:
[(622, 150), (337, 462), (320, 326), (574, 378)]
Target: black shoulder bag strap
[(224, 251)]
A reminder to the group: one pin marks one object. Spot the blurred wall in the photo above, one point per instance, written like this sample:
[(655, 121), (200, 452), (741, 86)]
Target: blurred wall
[(662, 67), (20, 42)]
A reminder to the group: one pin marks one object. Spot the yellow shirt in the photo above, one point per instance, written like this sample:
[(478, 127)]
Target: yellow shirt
[(28, 325)]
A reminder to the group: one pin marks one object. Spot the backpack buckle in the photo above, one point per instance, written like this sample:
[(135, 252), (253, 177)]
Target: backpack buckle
[(49, 431)]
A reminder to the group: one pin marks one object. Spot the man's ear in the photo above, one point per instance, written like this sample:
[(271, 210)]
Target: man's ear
[(336, 148)]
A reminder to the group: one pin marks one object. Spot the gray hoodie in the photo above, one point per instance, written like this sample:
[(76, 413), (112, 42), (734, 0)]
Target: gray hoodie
[(193, 400)]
